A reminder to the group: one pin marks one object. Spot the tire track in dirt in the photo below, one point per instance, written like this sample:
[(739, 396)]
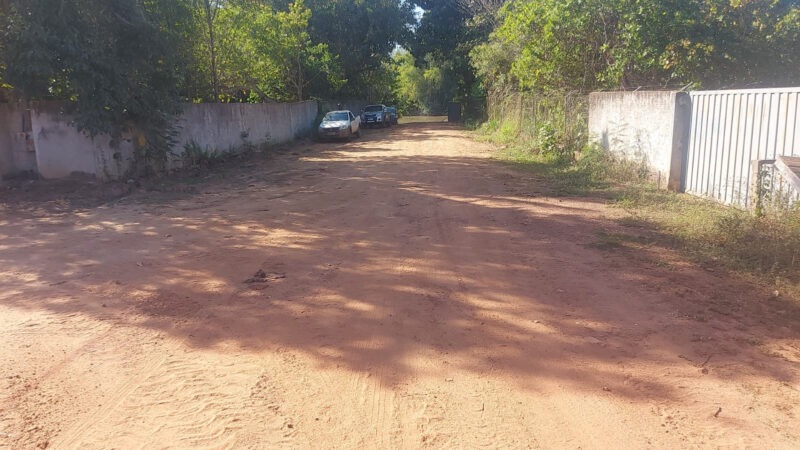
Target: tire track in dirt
[(176, 396), (73, 378), (182, 399), (442, 415)]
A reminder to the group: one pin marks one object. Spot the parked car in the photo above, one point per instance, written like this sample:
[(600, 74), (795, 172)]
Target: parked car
[(375, 116), (339, 124), (392, 111)]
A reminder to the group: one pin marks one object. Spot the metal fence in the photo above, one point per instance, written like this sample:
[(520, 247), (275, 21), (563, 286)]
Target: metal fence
[(527, 114), (730, 130)]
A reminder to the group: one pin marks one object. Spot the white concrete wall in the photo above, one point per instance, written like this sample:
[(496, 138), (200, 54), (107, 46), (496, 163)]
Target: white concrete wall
[(56, 149), (643, 125), (16, 145), (223, 127), (62, 150)]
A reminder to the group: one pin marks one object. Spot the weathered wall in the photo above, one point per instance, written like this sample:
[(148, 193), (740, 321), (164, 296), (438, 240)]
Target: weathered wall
[(223, 127), (62, 150), (645, 125), (55, 149), (16, 144)]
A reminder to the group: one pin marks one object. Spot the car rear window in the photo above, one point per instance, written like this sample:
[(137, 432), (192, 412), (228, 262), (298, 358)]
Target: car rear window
[(334, 116)]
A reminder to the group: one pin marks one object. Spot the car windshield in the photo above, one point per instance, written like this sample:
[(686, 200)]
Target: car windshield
[(376, 108), (335, 116)]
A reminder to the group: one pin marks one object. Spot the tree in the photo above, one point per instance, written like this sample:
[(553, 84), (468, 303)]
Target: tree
[(595, 44), (117, 63), (424, 90), (211, 10), (443, 40), (287, 53), (362, 34)]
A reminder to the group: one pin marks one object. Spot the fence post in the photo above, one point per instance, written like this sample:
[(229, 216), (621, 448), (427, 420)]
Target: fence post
[(757, 190)]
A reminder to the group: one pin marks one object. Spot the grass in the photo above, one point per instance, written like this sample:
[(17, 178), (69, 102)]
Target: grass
[(765, 247), (587, 172)]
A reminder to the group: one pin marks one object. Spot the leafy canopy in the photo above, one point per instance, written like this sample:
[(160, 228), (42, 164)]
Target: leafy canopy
[(117, 63), (596, 44)]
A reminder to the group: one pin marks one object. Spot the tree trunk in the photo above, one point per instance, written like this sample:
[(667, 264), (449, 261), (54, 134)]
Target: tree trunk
[(299, 77), (212, 48)]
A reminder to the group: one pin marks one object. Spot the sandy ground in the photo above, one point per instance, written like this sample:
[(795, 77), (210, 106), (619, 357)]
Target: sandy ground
[(414, 293)]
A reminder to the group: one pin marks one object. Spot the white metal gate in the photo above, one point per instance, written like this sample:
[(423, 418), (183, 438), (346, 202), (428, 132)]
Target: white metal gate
[(730, 130)]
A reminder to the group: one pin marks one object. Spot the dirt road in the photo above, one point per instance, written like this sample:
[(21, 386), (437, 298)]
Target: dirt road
[(412, 293)]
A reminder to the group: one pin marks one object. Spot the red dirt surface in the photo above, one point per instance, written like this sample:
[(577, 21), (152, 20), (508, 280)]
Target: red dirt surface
[(413, 293)]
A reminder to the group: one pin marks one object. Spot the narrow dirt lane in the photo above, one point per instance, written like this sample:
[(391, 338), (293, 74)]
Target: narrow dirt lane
[(413, 293)]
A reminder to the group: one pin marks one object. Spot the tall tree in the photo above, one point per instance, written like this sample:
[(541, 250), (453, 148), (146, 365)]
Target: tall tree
[(283, 41), (591, 44), (362, 33), (117, 63), (447, 33)]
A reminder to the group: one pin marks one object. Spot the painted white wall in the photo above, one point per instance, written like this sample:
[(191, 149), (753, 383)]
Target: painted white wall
[(222, 127), (16, 145), (56, 149), (642, 125), (62, 150)]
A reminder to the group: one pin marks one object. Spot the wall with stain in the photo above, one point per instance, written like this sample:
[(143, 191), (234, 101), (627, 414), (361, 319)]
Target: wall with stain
[(54, 148), (649, 126)]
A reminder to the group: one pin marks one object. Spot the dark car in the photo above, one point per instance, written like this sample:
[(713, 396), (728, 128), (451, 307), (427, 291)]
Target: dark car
[(392, 111), (375, 116)]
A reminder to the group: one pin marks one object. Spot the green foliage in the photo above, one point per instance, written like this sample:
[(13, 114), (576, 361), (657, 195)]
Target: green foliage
[(287, 55), (362, 34), (595, 44), (552, 126), (262, 54), (442, 41), (423, 90), (117, 63)]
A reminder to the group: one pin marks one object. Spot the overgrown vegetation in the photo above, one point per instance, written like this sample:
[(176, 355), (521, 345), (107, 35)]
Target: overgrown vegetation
[(601, 44), (767, 245), (551, 126)]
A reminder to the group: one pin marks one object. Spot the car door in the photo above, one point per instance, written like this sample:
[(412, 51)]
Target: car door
[(355, 122)]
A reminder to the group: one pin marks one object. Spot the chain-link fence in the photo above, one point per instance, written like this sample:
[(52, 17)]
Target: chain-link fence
[(551, 122)]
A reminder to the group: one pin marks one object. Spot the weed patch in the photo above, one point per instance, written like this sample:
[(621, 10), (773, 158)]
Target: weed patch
[(766, 245)]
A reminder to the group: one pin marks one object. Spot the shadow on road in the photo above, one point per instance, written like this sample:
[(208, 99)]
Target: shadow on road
[(387, 251)]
